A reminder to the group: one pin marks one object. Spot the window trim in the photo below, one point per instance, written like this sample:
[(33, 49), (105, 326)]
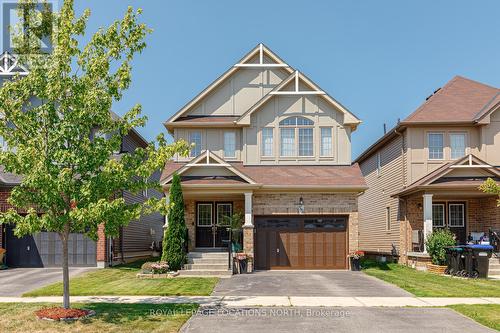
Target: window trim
[(444, 215), (466, 138), (429, 148), (198, 204), (321, 128), (461, 204), (388, 220), (296, 127), (262, 141), (224, 143), (190, 142)]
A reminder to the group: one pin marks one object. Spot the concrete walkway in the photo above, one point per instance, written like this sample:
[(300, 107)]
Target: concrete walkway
[(272, 301)]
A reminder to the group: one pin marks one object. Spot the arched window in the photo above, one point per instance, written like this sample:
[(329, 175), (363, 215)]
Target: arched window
[(296, 134)]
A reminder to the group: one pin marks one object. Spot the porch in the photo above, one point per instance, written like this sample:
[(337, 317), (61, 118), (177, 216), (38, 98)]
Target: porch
[(469, 215)]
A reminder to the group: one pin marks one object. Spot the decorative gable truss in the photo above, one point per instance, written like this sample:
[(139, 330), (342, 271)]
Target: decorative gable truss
[(259, 57), (297, 84), (208, 159), (10, 66)]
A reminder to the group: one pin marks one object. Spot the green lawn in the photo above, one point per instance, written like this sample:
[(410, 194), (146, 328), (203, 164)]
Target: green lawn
[(486, 314), (425, 284), (122, 318), (122, 280)]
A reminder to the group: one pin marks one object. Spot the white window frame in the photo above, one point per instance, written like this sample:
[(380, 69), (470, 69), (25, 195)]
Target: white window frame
[(429, 146), (444, 215), (198, 214), (217, 211), (263, 143), (296, 138), (228, 143), (321, 154), (194, 151), (463, 215), (379, 163), (464, 134)]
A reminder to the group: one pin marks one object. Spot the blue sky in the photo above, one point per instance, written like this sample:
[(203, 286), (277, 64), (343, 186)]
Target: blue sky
[(380, 59)]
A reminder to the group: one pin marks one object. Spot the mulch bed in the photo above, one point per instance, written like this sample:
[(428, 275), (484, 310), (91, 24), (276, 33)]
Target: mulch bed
[(57, 314)]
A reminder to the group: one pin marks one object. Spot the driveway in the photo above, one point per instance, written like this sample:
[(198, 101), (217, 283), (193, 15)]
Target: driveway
[(387, 320), (307, 283), (17, 281)]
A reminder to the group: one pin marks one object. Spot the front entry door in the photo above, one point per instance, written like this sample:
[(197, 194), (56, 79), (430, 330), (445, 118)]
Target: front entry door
[(212, 221)]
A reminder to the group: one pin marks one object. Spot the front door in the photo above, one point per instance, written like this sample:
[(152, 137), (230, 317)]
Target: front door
[(212, 221)]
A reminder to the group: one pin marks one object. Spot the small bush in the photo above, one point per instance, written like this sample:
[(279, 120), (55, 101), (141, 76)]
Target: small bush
[(436, 243), (160, 267)]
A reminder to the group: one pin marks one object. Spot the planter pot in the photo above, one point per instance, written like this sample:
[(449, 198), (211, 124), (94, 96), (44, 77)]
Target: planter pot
[(436, 269), (355, 266)]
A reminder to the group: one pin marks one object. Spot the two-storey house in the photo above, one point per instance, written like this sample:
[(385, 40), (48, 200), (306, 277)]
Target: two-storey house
[(269, 143), (424, 173), (44, 249)]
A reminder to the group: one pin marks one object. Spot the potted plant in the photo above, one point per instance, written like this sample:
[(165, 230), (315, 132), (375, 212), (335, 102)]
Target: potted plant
[(355, 258), (436, 245), (235, 222)]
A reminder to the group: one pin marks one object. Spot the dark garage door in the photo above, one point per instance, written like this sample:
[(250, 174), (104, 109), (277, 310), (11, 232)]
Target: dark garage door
[(44, 249), (301, 242)]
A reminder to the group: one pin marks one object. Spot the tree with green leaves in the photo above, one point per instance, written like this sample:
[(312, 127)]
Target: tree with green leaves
[(176, 235), (63, 139), (492, 187)]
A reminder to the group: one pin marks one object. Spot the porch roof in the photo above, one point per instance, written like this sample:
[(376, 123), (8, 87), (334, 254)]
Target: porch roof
[(441, 178), (341, 177)]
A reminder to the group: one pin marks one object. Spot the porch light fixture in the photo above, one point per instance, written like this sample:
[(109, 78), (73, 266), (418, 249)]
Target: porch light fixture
[(419, 206), (301, 206)]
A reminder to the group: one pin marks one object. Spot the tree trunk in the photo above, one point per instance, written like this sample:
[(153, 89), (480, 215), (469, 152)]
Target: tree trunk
[(64, 239)]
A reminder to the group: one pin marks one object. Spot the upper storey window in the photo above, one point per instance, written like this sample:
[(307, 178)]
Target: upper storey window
[(296, 134), (195, 137), (229, 144), (267, 141), (436, 146), (457, 145)]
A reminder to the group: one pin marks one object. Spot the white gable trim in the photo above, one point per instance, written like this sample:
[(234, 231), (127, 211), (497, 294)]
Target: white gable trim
[(261, 49), (350, 118), (206, 156), (10, 66)]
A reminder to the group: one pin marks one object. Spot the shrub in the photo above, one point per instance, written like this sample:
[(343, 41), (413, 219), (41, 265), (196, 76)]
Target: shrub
[(436, 243), (160, 267), (176, 235)]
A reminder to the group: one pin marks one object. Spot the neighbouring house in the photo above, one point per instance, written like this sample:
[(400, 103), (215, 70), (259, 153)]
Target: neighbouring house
[(44, 249), (424, 173), (268, 142)]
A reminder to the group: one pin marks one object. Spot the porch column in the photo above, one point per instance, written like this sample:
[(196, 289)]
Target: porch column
[(248, 210), (427, 217), (167, 200)]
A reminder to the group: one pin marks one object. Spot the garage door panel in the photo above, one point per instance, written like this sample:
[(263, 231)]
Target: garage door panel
[(301, 242)]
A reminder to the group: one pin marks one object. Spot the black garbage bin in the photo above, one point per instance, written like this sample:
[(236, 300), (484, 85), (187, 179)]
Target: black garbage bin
[(482, 255), (469, 264), (454, 260), (243, 262)]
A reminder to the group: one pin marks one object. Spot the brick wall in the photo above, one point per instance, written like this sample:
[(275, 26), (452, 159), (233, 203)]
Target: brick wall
[(101, 246), (4, 206)]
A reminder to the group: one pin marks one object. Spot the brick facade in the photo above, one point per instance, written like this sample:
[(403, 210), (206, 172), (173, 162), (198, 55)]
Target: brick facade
[(101, 247), (4, 206), (482, 214)]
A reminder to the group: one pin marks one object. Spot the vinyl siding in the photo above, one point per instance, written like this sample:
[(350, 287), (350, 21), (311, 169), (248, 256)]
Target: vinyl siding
[(373, 235), (136, 236)]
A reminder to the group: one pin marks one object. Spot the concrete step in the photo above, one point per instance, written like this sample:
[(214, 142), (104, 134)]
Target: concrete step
[(207, 260), (208, 255), (210, 249), (225, 273), (212, 267)]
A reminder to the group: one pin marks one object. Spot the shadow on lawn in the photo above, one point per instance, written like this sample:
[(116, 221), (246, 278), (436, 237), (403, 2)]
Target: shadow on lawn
[(370, 263), (135, 265), (128, 313)]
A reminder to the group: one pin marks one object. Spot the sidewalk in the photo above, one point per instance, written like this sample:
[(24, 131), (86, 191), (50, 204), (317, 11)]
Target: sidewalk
[(242, 301)]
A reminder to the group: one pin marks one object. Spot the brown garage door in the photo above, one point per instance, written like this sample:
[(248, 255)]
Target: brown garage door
[(301, 242)]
